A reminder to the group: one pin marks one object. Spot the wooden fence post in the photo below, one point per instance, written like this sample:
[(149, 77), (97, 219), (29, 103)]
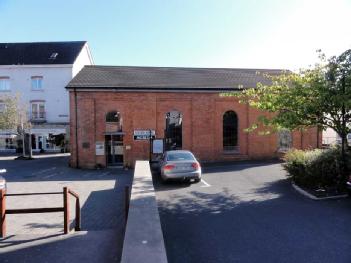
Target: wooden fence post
[(3, 213), (65, 210), (77, 227)]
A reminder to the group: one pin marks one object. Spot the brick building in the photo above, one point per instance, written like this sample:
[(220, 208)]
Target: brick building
[(114, 109)]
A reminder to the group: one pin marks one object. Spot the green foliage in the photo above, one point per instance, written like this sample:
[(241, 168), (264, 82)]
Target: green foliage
[(319, 97), (316, 168), (10, 114)]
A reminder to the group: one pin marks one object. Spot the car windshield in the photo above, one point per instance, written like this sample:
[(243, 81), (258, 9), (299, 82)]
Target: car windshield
[(180, 156)]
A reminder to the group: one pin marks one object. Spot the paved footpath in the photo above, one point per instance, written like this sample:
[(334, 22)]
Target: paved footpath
[(39, 237)]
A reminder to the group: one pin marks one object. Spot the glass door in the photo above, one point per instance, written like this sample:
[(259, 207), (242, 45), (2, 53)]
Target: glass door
[(114, 149)]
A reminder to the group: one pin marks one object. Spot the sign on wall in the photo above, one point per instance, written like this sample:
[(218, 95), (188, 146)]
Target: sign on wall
[(143, 134), (99, 148), (157, 146)]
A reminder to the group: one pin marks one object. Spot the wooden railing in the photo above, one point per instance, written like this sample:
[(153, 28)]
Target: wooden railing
[(65, 209)]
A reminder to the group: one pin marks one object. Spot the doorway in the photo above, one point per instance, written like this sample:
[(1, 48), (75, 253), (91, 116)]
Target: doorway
[(174, 131), (114, 150)]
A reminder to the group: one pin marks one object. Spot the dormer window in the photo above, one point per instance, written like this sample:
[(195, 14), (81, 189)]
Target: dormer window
[(37, 83), (53, 56)]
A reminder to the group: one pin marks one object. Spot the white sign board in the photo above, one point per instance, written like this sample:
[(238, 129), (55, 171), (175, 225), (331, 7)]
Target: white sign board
[(157, 146), (99, 148), (143, 134)]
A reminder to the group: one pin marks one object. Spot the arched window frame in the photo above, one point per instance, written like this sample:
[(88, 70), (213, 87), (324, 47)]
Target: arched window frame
[(284, 140), (112, 117), (174, 143), (230, 139)]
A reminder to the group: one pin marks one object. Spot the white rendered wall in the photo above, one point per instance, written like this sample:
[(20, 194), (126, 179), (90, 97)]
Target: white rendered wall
[(55, 79), (84, 58)]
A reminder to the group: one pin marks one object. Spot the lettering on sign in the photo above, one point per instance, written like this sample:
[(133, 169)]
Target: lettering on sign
[(143, 134)]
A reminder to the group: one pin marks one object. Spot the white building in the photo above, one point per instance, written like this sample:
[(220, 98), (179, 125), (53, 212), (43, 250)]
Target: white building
[(39, 73)]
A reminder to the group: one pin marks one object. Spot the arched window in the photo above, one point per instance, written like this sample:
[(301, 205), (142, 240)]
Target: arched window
[(113, 122), (112, 116), (230, 131), (284, 140), (173, 131)]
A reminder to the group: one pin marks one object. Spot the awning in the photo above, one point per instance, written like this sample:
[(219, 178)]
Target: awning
[(114, 133), (53, 131), (5, 134)]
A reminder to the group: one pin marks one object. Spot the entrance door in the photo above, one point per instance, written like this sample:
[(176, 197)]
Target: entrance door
[(173, 131), (114, 148)]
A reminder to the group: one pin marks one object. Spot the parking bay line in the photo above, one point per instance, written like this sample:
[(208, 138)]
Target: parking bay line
[(205, 183)]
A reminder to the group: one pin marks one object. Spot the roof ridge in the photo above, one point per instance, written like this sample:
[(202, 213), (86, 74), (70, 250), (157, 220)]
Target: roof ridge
[(45, 42), (174, 67)]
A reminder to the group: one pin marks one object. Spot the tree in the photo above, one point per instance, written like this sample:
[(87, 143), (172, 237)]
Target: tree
[(13, 115), (317, 97), (10, 113)]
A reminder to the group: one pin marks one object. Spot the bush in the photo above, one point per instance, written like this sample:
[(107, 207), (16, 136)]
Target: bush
[(316, 168)]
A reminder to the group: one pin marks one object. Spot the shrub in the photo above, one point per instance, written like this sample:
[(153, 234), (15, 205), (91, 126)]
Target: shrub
[(316, 168)]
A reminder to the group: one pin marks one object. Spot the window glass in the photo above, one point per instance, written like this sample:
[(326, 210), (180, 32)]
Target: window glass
[(112, 116), (230, 131), (4, 83), (37, 83), (38, 110), (180, 156), (174, 131), (284, 140)]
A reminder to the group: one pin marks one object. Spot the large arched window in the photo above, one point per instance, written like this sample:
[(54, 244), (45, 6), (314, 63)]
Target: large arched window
[(173, 131), (230, 131)]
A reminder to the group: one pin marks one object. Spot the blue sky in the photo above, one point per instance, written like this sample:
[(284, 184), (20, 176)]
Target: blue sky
[(193, 33)]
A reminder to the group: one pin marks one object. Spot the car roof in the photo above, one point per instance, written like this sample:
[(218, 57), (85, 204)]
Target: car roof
[(178, 151)]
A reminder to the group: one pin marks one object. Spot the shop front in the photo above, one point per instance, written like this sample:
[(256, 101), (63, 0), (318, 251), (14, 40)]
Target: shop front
[(8, 141), (48, 139)]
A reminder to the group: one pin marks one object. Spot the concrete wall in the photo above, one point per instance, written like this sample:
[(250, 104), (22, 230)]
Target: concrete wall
[(202, 125), (143, 241)]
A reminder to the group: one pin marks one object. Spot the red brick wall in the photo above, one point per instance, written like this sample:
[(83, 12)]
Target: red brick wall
[(202, 125)]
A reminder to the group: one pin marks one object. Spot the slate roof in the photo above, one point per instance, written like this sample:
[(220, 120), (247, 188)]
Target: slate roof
[(40, 53), (168, 78)]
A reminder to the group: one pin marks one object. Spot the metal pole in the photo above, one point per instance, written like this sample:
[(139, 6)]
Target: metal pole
[(3, 213), (23, 140), (30, 143), (65, 210), (150, 141)]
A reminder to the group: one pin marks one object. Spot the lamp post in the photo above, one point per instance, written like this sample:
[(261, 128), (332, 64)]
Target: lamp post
[(150, 140), (30, 141), (23, 141)]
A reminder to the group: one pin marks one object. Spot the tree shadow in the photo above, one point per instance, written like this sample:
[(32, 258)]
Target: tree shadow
[(271, 223)]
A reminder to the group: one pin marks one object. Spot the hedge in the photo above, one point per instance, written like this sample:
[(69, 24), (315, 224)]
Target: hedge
[(316, 168)]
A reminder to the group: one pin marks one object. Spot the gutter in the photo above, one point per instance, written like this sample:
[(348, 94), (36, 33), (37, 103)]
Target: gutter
[(76, 131)]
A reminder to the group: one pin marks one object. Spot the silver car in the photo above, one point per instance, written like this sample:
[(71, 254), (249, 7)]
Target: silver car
[(179, 165)]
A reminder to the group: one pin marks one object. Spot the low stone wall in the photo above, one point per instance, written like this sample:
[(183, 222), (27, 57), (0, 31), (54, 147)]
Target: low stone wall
[(143, 240)]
